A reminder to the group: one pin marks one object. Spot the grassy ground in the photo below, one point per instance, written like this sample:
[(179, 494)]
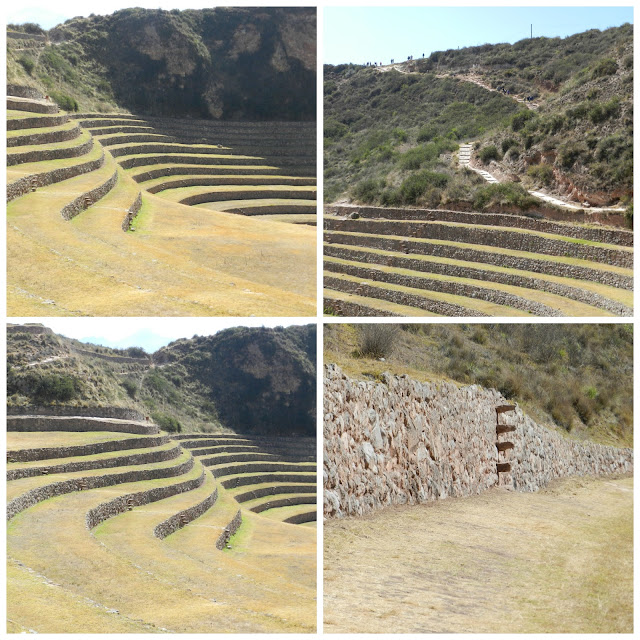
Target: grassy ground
[(560, 560)]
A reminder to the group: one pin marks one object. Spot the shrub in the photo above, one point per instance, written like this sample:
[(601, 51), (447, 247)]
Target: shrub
[(136, 352), (503, 194), (606, 67), (368, 190), (542, 173), (55, 388), (489, 153), (377, 340), (166, 422), (130, 387), (28, 63), (64, 101), (419, 183), (400, 135), (519, 119), (507, 144)]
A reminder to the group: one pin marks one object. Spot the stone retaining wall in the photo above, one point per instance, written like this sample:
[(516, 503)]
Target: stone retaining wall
[(83, 202), (20, 91), (609, 236), (58, 135), (400, 297), (338, 307), (214, 171), (270, 209), (494, 296), (121, 504), (33, 496), (488, 237), (308, 454), (487, 257), (50, 453), (54, 423), (223, 196), (32, 107), (110, 358), (123, 116), (283, 502), (405, 442), (256, 467), (29, 183), (41, 155), (17, 35), (141, 128), (512, 279), (104, 463), (141, 161), (229, 530), (132, 212), (270, 491), (247, 457), (133, 138), (34, 329), (38, 122), (221, 182), (118, 413), (181, 519), (243, 481), (301, 518)]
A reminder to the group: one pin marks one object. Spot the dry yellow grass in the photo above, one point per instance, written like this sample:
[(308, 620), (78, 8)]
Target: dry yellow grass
[(560, 560)]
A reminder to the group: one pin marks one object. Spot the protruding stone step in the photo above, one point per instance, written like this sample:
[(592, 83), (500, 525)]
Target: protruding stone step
[(505, 428), (503, 467), (503, 446)]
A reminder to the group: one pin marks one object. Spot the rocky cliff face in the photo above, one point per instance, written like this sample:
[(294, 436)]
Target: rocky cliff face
[(229, 63), (406, 442)]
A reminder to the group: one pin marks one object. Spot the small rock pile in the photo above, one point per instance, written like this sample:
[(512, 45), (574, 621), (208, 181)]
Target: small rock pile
[(400, 441)]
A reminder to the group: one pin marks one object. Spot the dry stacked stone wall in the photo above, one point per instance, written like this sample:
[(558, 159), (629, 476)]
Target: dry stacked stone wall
[(83, 202), (181, 519), (58, 135), (26, 423), (40, 155), (229, 530), (400, 441), (117, 413), (20, 91)]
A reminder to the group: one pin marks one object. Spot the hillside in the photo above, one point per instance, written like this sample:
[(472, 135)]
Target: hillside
[(222, 63), (574, 378), (390, 131), (259, 381)]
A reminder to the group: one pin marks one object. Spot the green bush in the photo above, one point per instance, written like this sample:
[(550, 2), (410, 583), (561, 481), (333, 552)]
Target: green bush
[(377, 340), (419, 183), (606, 67), (55, 388), (519, 119), (166, 422), (64, 101), (541, 173), (130, 387), (368, 190), (28, 63), (507, 193), (489, 153)]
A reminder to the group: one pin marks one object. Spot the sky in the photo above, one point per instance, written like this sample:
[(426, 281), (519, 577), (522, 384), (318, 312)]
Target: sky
[(149, 333), (377, 34)]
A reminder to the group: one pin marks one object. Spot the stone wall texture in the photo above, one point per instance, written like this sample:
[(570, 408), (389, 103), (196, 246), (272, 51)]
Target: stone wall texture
[(597, 234), (229, 530), (400, 297), (242, 481), (88, 198), (181, 519), (486, 257), (33, 107), (28, 423), (46, 137), (21, 91), (40, 155), (51, 453), (405, 442), (301, 518), (33, 496), (30, 183), (344, 308), (118, 413), (512, 279), (491, 237), (36, 122), (132, 212), (495, 296)]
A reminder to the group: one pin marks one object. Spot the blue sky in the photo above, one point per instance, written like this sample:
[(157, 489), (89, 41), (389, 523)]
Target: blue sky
[(149, 333), (377, 34)]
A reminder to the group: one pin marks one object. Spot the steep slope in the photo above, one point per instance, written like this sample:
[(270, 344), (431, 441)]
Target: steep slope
[(259, 381)]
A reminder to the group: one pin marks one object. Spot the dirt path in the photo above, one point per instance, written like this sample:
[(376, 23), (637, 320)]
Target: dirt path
[(560, 560)]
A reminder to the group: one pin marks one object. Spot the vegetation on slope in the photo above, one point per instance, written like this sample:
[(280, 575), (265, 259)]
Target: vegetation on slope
[(580, 137), (230, 63), (243, 379), (578, 376)]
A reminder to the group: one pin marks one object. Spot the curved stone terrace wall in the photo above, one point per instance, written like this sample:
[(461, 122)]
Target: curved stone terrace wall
[(83, 202), (30, 183), (50, 453), (26, 423), (442, 286), (270, 209), (181, 519), (14, 124), (118, 413), (244, 480), (400, 297), (42, 155), (121, 504), (229, 530), (20, 91), (301, 518), (132, 212), (503, 239), (33, 107), (39, 494), (188, 158), (216, 181), (271, 491), (487, 257), (283, 502), (511, 279), (353, 309), (405, 442), (256, 467), (596, 234), (104, 463), (46, 137), (214, 171)]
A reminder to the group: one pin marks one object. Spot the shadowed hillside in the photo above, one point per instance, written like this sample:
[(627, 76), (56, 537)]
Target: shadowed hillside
[(247, 380)]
